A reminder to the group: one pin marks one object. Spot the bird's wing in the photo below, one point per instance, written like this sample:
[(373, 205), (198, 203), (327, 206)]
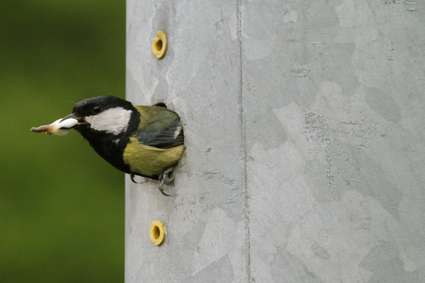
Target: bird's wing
[(164, 131)]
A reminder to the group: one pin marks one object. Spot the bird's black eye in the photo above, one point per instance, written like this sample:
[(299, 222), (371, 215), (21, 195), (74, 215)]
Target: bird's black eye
[(96, 109)]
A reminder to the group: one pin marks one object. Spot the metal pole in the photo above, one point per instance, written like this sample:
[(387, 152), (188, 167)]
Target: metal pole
[(304, 129)]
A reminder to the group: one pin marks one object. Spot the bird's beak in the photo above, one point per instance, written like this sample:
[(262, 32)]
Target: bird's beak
[(74, 117), (60, 127)]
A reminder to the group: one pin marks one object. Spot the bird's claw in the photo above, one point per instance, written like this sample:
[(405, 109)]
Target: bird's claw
[(132, 178), (161, 188), (166, 177)]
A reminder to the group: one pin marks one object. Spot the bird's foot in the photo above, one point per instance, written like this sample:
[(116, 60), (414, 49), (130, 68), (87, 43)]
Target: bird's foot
[(166, 177), (132, 175)]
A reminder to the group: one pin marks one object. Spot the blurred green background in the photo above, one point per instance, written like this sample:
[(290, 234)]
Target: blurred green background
[(61, 205)]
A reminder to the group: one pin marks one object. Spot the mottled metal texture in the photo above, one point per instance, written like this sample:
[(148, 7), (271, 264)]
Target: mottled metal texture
[(304, 125)]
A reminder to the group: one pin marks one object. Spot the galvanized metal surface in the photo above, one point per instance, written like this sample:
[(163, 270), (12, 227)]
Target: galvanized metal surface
[(305, 140)]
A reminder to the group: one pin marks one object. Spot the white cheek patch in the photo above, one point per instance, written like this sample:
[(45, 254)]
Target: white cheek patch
[(112, 121)]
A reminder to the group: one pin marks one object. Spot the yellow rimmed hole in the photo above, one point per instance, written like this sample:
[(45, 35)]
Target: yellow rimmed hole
[(159, 45), (157, 233)]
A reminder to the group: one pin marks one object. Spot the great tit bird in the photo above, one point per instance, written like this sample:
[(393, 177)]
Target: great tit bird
[(139, 140)]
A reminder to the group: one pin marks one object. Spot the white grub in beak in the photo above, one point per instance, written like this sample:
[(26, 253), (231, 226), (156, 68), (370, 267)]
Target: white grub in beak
[(59, 127)]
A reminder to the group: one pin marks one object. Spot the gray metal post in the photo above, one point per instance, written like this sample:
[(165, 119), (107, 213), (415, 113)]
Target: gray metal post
[(305, 134)]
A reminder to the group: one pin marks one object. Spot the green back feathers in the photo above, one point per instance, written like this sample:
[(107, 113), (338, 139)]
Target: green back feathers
[(155, 118), (159, 127)]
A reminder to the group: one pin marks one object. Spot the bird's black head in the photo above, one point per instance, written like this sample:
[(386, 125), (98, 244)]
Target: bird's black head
[(104, 115), (106, 122)]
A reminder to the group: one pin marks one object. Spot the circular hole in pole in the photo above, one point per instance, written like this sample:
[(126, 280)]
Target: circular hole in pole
[(157, 233), (159, 45)]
